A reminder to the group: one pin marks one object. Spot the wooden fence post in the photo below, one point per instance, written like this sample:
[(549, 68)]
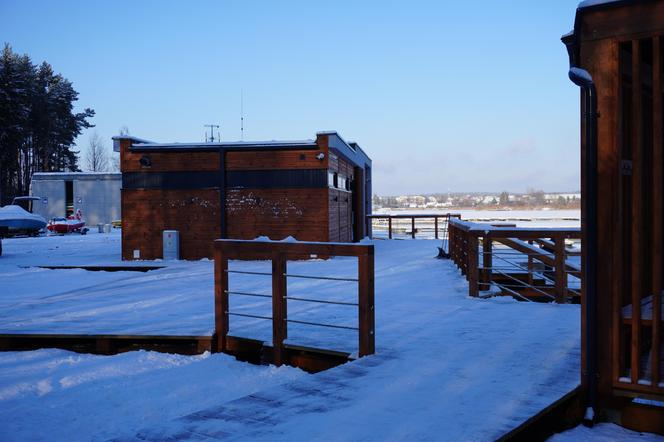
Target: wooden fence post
[(279, 304), (220, 299), (365, 274), (473, 276), (435, 223), (412, 227), (389, 227), (559, 271), (530, 265), (451, 233), (487, 262)]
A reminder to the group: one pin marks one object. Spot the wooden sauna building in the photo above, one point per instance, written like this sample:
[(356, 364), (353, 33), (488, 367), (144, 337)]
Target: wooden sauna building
[(617, 58), (312, 190)]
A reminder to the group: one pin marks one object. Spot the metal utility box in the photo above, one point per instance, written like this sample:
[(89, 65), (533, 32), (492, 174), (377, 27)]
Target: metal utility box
[(171, 239)]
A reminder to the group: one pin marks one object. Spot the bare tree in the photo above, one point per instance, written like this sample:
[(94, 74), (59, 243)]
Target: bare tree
[(115, 156), (96, 158)]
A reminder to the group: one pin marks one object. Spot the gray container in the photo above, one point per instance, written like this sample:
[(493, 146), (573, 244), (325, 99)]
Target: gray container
[(100, 228), (108, 228), (171, 244)]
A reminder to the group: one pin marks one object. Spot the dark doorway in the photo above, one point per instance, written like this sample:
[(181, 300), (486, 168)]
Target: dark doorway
[(69, 198)]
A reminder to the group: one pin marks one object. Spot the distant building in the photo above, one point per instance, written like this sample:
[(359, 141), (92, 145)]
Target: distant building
[(311, 190), (97, 194)]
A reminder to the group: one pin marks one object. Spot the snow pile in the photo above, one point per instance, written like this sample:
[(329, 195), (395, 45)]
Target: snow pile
[(604, 433)]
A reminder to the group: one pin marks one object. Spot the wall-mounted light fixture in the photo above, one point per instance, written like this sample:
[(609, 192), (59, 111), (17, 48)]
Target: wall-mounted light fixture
[(320, 156), (145, 161)]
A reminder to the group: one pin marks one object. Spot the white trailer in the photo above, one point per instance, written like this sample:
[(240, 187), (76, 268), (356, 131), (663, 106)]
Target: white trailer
[(97, 194)]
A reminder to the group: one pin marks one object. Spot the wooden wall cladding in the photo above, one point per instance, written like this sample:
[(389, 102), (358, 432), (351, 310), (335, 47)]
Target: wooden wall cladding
[(339, 212), (277, 213), (341, 166), (146, 213), (168, 161), (276, 159)]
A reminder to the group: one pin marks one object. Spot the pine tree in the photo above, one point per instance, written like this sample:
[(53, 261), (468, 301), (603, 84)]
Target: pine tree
[(37, 123)]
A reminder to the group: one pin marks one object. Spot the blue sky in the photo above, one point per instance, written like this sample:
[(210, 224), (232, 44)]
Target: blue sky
[(460, 96)]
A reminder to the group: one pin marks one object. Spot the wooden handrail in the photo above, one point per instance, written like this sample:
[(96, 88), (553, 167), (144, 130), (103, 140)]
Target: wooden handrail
[(466, 238), (279, 253), (412, 217)]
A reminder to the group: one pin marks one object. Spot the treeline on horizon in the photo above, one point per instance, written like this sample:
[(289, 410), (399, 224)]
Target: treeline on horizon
[(37, 123), (531, 199)]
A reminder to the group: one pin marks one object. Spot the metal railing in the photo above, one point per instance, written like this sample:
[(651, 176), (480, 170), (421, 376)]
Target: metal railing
[(279, 253), (531, 264)]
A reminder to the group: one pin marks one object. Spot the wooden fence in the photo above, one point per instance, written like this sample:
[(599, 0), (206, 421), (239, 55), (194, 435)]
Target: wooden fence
[(404, 225), (527, 263), (279, 253)]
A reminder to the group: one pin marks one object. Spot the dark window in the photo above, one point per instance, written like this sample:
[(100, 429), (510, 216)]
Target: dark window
[(332, 179), (341, 182)]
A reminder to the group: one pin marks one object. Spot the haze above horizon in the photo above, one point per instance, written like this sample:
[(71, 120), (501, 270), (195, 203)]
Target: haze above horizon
[(443, 96)]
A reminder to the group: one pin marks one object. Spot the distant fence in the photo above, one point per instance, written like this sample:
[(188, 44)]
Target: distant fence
[(405, 226), (279, 253), (532, 264)]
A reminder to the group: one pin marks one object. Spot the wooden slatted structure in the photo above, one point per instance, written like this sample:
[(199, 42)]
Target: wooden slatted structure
[(504, 258), (279, 253), (620, 45), (312, 190), (406, 223)]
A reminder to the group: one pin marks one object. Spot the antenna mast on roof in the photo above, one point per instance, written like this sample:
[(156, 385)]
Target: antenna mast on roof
[(212, 127), (241, 115)]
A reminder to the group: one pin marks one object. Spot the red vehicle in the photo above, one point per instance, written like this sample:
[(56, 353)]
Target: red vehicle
[(74, 223)]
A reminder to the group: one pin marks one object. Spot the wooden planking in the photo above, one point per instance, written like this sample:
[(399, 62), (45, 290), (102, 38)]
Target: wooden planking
[(252, 250), (340, 224), (168, 161), (640, 216), (658, 207), (633, 19), (107, 344), (146, 213), (637, 210), (367, 326), (344, 216), (276, 159), (333, 214), (279, 306), (600, 58), (221, 323), (277, 213), (358, 213)]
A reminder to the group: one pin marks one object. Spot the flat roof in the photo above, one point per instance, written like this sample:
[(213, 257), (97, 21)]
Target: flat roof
[(77, 176), (209, 145)]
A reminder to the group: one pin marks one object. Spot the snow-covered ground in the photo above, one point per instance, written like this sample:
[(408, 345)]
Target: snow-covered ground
[(446, 367)]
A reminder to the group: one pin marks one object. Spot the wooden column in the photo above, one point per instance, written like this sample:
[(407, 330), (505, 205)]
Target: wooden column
[(530, 265), (412, 228), (365, 272), (473, 264), (487, 262), (637, 209), (435, 223), (359, 216), (220, 301), (657, 209), (279, 307), (389, 227), (450, 242), (559, 271)]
